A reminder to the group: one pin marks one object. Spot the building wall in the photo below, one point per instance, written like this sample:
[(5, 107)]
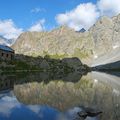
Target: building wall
[(6, 55), (6, 84)]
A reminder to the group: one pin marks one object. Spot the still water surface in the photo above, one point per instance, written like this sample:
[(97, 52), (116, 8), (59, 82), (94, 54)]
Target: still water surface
[(42, 96)]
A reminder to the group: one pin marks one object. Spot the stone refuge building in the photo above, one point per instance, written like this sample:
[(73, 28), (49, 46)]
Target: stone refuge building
[(6, 53), (6, 84)]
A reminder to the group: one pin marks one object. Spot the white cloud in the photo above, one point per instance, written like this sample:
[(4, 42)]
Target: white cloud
[(37, 10), (83, 16), (7, 103), (109, 7), (39, 26), (9, 30)]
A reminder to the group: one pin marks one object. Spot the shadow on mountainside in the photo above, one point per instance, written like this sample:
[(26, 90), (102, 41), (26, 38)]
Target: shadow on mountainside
[(110, 68)]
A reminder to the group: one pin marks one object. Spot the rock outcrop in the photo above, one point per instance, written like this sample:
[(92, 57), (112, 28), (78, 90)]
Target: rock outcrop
[(59, 43), (100, 39), (106, 35)]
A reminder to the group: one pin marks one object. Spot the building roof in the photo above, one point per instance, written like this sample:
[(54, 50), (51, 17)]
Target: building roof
[(6, 48)]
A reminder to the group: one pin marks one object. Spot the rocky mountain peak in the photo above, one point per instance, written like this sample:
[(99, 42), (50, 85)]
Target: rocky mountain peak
[(4, 41), (100, 39), (82, 30)]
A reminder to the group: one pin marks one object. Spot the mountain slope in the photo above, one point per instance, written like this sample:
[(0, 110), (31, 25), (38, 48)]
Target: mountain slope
[(107, 31), (106, 35), (4, 41), (62, 41), (102, 38)]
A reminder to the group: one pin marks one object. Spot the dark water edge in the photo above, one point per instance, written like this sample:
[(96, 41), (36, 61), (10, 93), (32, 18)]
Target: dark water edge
[(46, 96)]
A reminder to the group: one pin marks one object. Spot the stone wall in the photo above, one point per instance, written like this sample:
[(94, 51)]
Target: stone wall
[(6, 55)]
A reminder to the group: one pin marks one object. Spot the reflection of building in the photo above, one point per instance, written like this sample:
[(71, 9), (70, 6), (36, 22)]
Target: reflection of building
[(6, 84), (6, 53)]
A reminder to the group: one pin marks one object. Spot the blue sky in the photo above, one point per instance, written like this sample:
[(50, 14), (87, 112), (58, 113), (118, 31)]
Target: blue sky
[(36, 15), (20, 10)]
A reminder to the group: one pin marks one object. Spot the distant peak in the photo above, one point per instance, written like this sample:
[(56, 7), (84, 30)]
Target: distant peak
[(82, 30)]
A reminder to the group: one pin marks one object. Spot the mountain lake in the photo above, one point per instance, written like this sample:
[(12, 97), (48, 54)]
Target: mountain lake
[(42, 96)]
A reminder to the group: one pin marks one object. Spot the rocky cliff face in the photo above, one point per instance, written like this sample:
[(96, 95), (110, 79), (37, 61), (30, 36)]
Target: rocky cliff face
[(61, 42), (102, 34), (101, 38), (106, 35)]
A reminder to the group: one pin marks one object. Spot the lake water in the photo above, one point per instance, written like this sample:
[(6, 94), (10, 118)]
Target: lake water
[(45, 96)]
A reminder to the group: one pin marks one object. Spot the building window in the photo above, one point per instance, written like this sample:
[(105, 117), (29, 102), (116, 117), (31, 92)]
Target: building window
[(11, 57), (2, 54), (6, 55), (1, 85), (6, 84)]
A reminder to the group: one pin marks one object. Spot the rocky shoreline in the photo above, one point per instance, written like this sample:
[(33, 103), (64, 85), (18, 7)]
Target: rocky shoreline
[(23, 63)]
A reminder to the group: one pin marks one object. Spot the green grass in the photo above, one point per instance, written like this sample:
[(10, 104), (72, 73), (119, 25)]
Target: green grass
[(80, 54), (15, 66), (56, 56)]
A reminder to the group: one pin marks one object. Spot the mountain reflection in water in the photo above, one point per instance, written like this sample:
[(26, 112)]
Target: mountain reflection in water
[(43, 96)]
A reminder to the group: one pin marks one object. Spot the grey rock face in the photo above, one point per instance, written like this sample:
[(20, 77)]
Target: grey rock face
[(82, 30), (106, 34), (44, 65), (102, 34), (59, 42), (4, 41), (102, 38), (116, 30), (74, 62)]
